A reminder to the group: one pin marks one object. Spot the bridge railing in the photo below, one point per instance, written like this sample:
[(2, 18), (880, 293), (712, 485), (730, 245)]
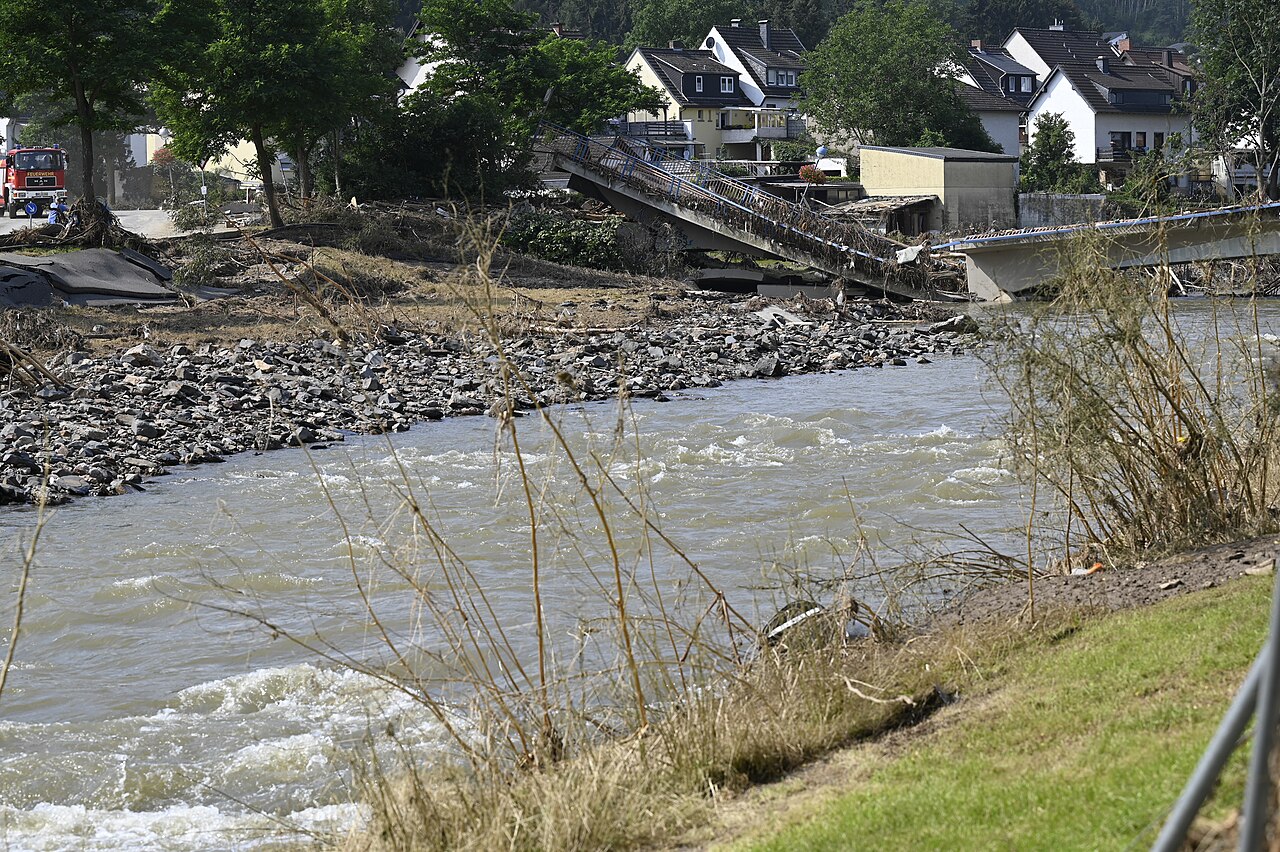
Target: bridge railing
[(696, 186)]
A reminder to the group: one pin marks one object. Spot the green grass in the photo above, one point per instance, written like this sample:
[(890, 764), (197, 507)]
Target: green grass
[(1081, 744)]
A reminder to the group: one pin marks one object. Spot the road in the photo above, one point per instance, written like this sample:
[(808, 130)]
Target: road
[(148, 223)]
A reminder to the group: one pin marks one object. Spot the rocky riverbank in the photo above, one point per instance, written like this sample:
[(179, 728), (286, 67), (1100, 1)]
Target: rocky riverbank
[(122, 417)]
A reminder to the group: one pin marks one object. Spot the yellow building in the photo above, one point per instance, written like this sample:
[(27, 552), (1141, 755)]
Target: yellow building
[(701, 95), (976, 191)]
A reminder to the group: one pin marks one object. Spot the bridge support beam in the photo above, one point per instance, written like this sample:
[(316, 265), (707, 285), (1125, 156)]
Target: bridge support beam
[(999, 271)]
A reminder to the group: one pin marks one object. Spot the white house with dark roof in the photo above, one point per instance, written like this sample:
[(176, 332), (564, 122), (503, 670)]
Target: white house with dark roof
[(997, 88), (1117, 102), (769, 58)]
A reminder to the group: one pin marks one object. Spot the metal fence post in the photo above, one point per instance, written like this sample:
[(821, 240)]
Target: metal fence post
[(1205, 776), (1257, 791)]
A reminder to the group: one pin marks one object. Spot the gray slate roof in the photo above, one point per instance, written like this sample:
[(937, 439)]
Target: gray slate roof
[(670, 64), (786, 52), (1074, 54)]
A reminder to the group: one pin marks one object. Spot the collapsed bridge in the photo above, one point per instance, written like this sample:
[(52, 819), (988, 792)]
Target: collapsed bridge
[(717, 212)]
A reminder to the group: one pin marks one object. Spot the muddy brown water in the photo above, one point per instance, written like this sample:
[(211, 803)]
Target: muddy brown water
[(135, 718)]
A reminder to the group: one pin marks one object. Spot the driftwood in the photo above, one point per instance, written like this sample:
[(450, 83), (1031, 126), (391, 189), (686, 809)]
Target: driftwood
[(25, 368)]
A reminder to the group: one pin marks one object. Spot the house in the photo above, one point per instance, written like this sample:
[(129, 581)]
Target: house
[(975, 190), (997, 88), (769, 59), (703, 101), (1117, 99)]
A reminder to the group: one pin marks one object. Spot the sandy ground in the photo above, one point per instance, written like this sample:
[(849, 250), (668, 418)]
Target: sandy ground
[(148, 223)]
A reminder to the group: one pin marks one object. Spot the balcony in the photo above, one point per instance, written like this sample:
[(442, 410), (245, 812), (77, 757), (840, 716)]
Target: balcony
[(749, 125)]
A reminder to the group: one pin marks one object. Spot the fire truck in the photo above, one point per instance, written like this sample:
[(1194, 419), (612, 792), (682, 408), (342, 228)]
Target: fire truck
[(32, 179)]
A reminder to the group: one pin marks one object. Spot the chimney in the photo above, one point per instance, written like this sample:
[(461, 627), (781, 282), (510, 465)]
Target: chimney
[(1168, 57), (1122, 46), (1057, 26), (1104, 64), (736, 22), (764, 35), (676, 45), (975, 43), (557, 27)]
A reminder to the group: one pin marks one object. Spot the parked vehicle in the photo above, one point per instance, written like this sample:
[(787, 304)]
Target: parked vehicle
[(33, 179)]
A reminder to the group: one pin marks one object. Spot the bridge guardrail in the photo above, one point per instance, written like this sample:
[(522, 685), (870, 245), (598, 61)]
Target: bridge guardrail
[(696, 186)]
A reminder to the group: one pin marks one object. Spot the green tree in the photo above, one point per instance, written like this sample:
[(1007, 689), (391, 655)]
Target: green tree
[(90, 58), (1049, 163), (357, 51), (992, 20), (492, 64), (879, 76), (586, 85), (1238, 98), (655, 23), (257, 67)]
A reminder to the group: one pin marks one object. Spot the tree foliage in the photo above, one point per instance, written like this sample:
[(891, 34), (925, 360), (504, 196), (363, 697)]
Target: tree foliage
[(655, 23), (992, 20), (1238, 99), (1049, 163), (259, 70), (88, 58), (880, 76), (469, 128)]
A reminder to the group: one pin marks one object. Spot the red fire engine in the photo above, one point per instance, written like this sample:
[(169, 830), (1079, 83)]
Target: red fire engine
[(32, 179)]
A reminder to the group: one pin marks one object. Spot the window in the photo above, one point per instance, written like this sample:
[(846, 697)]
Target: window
[(1159, 140), (1026, 83), (772, 77), (791, 78), (1140, 139), (697, 85), (1013, 84), (699, 111), (726, 85)]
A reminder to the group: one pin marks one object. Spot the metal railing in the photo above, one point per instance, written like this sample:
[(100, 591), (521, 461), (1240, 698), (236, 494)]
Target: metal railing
[(695, 186)]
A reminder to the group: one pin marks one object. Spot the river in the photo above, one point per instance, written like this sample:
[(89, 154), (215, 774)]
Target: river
[(138, 717)]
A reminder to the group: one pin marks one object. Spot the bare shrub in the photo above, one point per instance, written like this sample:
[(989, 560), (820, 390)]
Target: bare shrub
[(1145, 440)]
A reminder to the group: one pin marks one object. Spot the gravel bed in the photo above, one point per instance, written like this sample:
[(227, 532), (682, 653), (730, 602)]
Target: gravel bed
[(127, 416)]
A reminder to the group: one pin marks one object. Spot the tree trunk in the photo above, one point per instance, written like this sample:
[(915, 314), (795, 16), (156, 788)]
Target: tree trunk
[(302, 155), (264, 167), (1273, 178), (84, 118), (337, 163)]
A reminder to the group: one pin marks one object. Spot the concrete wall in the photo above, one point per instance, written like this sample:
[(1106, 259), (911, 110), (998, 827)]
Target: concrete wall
[(1045, 209), (975, 195), (894, 173), (1002, 126), (979, 195)]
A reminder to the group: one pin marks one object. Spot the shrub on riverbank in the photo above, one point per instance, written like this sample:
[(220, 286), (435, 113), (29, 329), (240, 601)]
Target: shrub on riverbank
[(565, 239), (1144, 433)]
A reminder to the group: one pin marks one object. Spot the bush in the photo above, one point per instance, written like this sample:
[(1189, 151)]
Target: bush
[(563, 239), (194, 217), (812, 174)]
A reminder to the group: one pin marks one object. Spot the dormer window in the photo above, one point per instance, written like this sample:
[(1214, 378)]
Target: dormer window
[(1013, 84), (771, 77), (726, 85), (1026, 84), (780, 78), (697, 83)]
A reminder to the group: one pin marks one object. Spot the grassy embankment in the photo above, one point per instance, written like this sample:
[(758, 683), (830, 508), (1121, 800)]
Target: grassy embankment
[(1082, 743)]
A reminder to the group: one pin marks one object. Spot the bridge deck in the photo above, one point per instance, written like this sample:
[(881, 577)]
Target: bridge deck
[(716, 210)]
